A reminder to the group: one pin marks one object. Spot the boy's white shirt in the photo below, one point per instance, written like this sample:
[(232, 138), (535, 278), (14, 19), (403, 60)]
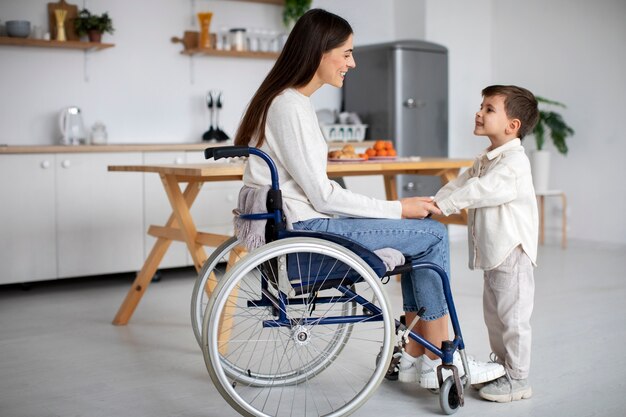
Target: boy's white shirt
[(294, 141), (499, 193)]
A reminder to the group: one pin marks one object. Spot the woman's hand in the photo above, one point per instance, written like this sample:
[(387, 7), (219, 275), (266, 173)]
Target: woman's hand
[(418, 207)]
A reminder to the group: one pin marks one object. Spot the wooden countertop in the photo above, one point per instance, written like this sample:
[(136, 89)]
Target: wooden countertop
[(106, 148), (137, 147)]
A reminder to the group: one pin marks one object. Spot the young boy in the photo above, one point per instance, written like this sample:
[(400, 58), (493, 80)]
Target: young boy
[(502, 231)]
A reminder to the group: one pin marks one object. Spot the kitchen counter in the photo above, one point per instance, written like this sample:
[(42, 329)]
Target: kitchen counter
[(148, 147), (11, 149)]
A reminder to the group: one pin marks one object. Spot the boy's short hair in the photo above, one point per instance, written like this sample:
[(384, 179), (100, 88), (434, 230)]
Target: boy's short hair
[(519, 103)]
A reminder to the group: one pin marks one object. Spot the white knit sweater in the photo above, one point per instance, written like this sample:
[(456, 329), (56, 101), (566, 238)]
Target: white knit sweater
[(294, 141)]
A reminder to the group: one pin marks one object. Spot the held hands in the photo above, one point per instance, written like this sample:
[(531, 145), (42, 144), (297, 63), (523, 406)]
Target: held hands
[(418, 207)]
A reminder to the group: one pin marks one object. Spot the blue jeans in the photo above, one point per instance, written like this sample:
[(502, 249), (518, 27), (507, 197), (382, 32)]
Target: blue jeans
[(423, 240)]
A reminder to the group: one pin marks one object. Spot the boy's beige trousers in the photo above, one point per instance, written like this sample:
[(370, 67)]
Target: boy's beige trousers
[(508, 295)]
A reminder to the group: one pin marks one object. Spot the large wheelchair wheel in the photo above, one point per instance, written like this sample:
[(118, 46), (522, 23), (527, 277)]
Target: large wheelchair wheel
[(229, 253), (263, 347)]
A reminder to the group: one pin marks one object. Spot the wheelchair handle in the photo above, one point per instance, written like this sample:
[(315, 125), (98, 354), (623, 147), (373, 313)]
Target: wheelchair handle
[(233, 151), (226, 152)]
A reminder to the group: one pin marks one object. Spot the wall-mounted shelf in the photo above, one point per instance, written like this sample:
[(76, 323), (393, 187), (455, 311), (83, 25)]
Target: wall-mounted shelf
[(40, 43), (237, 54), (276, 2)]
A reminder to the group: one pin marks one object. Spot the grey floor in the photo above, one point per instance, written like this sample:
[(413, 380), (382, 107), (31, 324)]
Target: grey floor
[(60, 355)]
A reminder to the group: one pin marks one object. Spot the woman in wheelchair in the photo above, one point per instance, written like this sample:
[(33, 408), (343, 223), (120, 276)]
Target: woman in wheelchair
[(280, 120)]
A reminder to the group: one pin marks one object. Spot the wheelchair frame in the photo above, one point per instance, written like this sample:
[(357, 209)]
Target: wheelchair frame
[(278, 301)]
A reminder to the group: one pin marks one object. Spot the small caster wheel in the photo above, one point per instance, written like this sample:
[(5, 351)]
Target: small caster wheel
[(449, 398)]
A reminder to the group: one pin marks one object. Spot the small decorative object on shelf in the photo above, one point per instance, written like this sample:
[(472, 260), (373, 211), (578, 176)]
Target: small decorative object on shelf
[(71, 11), (189, 40), (238, 39), (60, 15), (93, 25), (204, 18)]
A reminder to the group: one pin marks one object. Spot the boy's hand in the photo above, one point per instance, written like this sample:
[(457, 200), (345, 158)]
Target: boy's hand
[(418, 207)]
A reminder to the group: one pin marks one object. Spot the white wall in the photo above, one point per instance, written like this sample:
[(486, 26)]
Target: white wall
[(142, 88), (567, 50)]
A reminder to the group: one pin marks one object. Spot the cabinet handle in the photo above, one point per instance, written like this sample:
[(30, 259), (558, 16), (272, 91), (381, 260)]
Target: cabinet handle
[(66, 163), (45, 164)]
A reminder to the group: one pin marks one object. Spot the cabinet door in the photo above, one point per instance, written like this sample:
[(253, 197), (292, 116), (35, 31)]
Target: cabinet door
[(27, 229), (100, 214), (213, 208), (158, 209)]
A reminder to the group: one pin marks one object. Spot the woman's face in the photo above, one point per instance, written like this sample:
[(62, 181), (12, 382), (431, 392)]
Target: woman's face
[(335, 64)]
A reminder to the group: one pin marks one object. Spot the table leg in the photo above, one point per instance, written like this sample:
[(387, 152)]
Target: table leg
[(185, 221), (391, 187), (151, 264)]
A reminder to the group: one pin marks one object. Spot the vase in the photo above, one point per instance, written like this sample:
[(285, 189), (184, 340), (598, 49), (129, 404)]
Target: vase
[(60, 15), (204, 40), (540, 167)]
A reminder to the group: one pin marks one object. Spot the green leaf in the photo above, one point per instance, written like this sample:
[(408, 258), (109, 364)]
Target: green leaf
[(552, 123)]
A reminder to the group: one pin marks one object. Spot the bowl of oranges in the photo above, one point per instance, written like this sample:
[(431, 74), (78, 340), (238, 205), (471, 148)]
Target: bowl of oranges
[(381, 150)]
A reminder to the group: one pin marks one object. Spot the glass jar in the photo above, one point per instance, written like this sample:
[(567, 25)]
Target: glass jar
[(98, 134), (238, 39)]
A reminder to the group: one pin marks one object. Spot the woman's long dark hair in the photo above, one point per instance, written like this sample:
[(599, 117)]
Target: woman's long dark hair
[(314, 34)]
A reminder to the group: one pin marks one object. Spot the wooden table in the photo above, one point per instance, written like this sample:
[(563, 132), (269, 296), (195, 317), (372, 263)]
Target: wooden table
[(180, 225)]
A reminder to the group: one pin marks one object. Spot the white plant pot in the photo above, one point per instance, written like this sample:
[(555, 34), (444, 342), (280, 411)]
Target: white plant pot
[(540, 166)]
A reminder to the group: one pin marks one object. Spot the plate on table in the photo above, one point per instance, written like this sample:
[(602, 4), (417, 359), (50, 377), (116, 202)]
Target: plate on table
[(383, 158), (346, 159)]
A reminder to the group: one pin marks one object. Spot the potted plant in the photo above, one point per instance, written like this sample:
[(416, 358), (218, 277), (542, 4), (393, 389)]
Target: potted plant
[(293, 10), (93, 25), (552, 124)]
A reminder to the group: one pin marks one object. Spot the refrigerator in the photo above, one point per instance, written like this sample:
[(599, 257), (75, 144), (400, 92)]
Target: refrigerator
[(400, 90)]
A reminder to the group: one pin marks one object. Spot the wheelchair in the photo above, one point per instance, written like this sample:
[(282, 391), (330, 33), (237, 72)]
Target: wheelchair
[(302, 325)]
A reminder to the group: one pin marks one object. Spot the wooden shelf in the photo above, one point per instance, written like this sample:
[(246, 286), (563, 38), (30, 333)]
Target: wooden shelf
[(237, 54), (40, 43), (276, 2)]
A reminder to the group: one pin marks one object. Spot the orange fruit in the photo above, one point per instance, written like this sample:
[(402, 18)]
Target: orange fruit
[(388, 145), (379, 145), (391, 152), (381, 152), (364, 156), (370, 152)]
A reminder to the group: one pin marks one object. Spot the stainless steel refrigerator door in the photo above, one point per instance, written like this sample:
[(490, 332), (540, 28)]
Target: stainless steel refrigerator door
[(421, 113)]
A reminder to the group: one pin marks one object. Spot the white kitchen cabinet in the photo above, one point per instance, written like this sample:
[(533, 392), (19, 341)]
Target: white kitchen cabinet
[(27, 209), (65, 215), (157, 208), (99, 214), (212, 211)]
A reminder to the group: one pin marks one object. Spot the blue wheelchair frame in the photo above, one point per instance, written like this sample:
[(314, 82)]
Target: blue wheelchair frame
[(276, 230)]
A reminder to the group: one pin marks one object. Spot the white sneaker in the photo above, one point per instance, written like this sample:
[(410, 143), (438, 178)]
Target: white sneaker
[(408, 368), (480, 372)]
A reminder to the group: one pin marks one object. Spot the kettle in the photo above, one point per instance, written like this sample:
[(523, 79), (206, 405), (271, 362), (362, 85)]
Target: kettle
[(72, 127)]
